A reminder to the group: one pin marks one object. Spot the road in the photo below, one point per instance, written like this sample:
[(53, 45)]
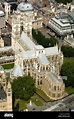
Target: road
[(58, 105), (55, 106), (63, 105)]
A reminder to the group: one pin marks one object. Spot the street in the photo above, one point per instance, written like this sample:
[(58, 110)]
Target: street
[(58, 105)]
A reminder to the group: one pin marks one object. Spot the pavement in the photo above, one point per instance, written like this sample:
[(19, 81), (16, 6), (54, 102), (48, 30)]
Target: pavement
[(55, 106), (58, 105), (44, 31)]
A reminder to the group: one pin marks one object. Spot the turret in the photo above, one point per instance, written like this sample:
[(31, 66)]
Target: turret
[(4, 81), (7, 9), (1, 40), (15, 29), (9, 97)]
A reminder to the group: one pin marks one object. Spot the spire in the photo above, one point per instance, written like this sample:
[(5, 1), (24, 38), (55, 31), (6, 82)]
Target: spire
[(9, 84), (18, 71)]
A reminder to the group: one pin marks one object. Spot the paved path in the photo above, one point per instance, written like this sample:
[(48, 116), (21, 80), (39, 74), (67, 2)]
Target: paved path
[(54, 106)]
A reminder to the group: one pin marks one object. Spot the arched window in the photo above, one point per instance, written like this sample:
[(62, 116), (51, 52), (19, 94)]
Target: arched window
[(41, 82), (38, 82), (21, 28), (52, 58), (9, 90), (8, 94), (53, 94), (28, 33), (54, 87), (58, 87), (59, 95)]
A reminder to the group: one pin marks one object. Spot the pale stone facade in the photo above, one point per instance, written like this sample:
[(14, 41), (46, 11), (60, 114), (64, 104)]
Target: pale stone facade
[(5, 92), (35, 60), (29, 17), (1, 41), (2, 17), (7, 10)]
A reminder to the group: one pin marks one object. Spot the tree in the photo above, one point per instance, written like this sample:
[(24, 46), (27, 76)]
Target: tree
[(45, 42), (63, 1), (53, 41), (23, 88), (68, 51), (68, 70)]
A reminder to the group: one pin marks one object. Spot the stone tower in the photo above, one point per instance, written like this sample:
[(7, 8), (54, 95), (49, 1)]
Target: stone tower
[(7, 9), (27, 24), (4, 81), (15, 30), (1, 40), (9, 97)]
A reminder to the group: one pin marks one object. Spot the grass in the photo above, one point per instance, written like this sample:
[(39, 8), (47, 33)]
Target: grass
[(36, 101), (23, 103), (8, 66), (43, 95), (69, 90), (67, 59)]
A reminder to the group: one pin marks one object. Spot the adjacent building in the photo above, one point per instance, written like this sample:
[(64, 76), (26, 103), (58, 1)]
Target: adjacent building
[(63, 24), (1, 41), (5, 92), (2, 17)]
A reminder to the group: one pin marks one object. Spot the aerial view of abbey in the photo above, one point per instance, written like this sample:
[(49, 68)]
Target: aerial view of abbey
[(36, 55)]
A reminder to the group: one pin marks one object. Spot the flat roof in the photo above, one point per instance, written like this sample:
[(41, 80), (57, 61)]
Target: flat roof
[(65, 20), (58, 21)]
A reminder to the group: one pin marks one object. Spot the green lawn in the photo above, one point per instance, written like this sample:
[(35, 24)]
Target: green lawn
[(22, 103), (8, 66), (43, 95), (36, 101), (67, 59), (69, 90)]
